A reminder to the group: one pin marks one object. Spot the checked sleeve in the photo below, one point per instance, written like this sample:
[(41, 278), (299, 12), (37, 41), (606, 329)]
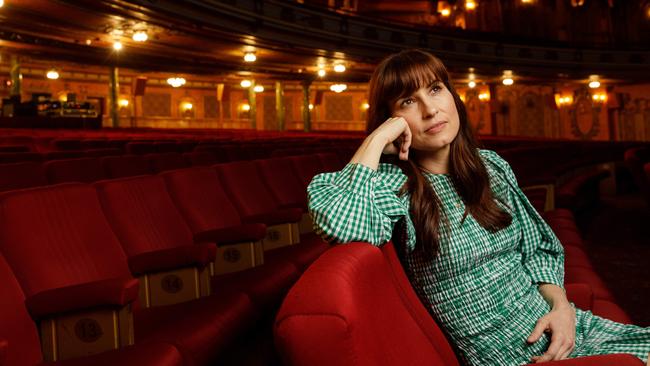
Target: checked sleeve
[(542, 253), (355, 204)]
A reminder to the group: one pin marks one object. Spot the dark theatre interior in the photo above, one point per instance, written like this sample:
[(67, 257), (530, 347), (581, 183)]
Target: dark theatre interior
[(155, 155)]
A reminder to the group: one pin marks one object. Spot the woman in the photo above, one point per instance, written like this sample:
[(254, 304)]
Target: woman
[(479, 256)]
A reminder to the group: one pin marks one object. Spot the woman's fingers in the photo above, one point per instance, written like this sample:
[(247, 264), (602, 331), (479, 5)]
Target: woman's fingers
[(540, 328)]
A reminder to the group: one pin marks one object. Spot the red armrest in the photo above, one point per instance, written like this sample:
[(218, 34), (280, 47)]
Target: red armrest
[(279, 216), (160, 260), (3, 352), (580, 294), (601, 360), (113, 292), (233, 234)]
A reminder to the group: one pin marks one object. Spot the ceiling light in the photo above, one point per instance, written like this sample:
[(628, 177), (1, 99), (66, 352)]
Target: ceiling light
[(117, 45), (2, 3), (339, 68), (89, 42), (337, 88), (176, 82), (507, 77), (140, 36), (246, 83), (250, 57), (245, 107), (187, 106), (258, 88), (471, 84), (311, 106), (470, 5), (321, 72), (365, 106), (484, 97), (445, 12), (123, 102), (594, 81), (52, 74)]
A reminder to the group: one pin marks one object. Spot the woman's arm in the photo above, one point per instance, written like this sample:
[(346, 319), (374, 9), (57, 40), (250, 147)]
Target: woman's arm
[(357, 204), (560, 322)]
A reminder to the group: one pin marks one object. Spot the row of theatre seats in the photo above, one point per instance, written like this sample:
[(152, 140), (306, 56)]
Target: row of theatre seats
[(91, 169), (146, 216), (184, 267)]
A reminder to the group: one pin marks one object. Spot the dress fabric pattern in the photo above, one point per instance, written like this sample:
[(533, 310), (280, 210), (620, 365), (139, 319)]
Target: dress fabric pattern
[(482, 287)]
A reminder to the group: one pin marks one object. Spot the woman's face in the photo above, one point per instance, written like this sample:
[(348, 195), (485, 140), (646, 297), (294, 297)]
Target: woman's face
[(431, 115)]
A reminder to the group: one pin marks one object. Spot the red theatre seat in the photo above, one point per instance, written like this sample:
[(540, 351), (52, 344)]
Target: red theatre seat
[(84, 170), (72, 244), (21, 175), (125, 166), (20, 345), (166, 161), (351, 308), (211, 216)]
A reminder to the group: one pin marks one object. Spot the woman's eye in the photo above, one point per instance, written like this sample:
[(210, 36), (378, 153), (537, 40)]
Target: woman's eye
[(436, 88), (406, 102)]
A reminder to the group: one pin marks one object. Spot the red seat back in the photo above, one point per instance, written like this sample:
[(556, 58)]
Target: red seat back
[(282, 181), (21, 175), (246, 189), (166, 161), (346, 310), (84, 170), (142, 214), (307, 166), (125, 166), (57, 236), (198, 194)]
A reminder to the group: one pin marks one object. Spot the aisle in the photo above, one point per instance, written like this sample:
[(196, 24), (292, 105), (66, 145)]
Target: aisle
[(618, 238)]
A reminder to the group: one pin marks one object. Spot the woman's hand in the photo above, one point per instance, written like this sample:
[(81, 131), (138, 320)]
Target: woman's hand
[(560, 322), (380, 141), (395, 129)]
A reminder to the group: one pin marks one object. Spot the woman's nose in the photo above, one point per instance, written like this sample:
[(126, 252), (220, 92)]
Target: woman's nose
[(430, 110)]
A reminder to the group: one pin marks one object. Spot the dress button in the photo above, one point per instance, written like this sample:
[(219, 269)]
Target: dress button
[(373, 179)]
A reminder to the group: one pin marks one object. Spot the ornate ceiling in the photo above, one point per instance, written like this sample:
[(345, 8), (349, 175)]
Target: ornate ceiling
[(290, 40)]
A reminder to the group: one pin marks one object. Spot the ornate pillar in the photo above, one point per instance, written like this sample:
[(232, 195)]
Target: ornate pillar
[(252, 102), (279, 105), (306, 117), (113, 95)]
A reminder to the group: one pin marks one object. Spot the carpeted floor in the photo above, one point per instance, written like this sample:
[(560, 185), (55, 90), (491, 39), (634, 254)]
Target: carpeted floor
[(618, 242)]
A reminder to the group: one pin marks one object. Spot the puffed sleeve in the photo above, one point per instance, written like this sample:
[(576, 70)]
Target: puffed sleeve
[(542, 253), (355, 204)]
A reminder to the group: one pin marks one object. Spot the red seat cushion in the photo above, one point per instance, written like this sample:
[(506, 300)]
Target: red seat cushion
[(200, 329), (266, 284)]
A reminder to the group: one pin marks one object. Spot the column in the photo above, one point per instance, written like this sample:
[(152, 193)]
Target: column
[(113, 96), (252, 102), (279, 105), (306, 116), (16, 77)]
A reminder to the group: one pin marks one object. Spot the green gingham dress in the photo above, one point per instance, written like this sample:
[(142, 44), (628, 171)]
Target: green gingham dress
[(482, 287)]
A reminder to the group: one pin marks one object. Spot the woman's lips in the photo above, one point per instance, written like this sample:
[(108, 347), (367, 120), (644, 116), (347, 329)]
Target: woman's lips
[(437, 127)]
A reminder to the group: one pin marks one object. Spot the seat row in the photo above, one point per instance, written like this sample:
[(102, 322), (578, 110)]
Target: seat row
[(91, 169), (183, 264), (355, 306)]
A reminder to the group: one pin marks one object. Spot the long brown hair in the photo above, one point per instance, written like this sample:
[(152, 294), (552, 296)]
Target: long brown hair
[(400, 75)]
